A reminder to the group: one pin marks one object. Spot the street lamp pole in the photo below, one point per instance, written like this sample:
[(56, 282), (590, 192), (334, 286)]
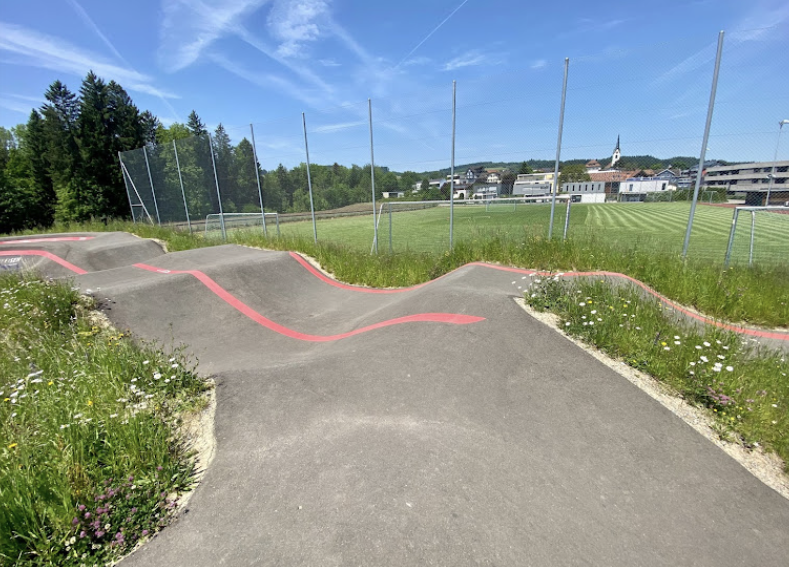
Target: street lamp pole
[(775, 159)]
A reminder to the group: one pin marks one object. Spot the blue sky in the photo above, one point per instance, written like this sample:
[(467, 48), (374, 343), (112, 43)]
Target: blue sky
[(639, 70)]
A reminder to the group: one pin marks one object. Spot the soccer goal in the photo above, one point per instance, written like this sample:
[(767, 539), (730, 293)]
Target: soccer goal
[(758, 233), (214, 221)]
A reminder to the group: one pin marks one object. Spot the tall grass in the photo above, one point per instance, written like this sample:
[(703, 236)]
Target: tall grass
[(757, 295), (89, 461), (744, 388)]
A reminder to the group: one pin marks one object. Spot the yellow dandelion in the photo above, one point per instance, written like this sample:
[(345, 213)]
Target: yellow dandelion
[(90, 402), (50, 383), (12, 445)]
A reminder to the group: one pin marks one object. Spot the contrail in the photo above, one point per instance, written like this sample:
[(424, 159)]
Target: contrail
[(92, 25), (431, 33)]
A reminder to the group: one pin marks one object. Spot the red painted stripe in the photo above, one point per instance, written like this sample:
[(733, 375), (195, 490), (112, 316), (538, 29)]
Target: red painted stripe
[(231, 300), (44, 254), (778, 335), (52, 239)]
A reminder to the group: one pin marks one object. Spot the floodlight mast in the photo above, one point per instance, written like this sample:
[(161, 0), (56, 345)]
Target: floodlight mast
[(775, 159)]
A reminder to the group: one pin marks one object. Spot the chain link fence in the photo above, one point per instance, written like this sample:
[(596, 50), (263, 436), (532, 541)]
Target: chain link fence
[(445, 166)]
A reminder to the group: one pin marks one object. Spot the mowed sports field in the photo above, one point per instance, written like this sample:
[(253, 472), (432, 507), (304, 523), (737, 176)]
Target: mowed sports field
[(660, 226)]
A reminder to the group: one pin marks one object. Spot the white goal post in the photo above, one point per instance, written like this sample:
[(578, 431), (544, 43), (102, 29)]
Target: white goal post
[(736, 216)]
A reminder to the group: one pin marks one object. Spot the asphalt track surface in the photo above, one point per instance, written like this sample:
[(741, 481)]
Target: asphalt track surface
[(439, 425)]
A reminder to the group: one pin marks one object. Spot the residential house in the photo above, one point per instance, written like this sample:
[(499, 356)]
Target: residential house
[(593, 166)]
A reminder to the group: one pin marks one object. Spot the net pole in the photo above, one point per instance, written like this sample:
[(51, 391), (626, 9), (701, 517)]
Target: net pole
[(153, 191), (218, 194), (452, 167), (753, 229), (277, 220), (555, 184), (731, 237), (706, 138), (567, 219), (181, 181), (257, 176), (372, 172), (309, 179), (390, 227), (144, 208), (126, 184)]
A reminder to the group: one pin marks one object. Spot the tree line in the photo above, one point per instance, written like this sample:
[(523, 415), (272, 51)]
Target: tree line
[(62, 165)]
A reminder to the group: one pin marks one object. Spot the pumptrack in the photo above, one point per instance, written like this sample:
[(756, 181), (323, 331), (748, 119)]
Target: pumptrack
[(438, 424)]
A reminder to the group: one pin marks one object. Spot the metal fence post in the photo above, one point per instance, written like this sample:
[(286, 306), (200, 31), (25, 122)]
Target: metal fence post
[(390, 227), (452, 168), (126, 184), (558, 148), (372, 173), (181, 181), (153, 191), (257, 176), (753, 229), (218, 194), (700, 172), (567, 218), (731, 237), (309, 179)]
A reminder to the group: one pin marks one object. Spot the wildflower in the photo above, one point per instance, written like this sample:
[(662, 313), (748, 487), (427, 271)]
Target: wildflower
[(677, 343), (705, 343), (730, 368), (146, 362), (676, 337), (704, 359), (12, 445), (721, 357), (698, 347), (663, 343), (156, 376), (90, 402), (582, 304), (594, 311), (50, 383)]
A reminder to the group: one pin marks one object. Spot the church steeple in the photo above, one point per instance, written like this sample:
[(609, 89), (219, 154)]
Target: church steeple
[(617, 154)]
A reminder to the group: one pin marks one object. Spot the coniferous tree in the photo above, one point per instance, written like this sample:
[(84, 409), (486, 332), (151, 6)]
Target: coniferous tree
[(196, 125)]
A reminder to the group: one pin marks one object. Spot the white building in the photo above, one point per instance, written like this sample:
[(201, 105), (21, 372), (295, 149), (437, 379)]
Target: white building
[(532, 184), (585, 191), (636, 188)]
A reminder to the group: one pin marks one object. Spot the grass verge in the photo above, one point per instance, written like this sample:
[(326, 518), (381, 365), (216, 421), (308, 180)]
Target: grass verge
[(745, 388), (757, 295), (90, 458)]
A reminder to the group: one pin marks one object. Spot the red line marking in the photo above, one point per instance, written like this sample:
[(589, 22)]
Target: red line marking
[(227, 297), (53, 239), (44, 254), (782, 336)]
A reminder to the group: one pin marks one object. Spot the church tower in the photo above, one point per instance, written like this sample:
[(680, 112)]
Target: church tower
[(616, 155)]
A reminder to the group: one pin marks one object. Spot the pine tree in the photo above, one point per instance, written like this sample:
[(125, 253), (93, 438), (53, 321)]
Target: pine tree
[(59, 127), (196, 125)]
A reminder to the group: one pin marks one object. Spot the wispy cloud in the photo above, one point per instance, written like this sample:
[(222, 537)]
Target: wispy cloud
[(428, 36), (749, 30), (468, 59), (15, 106), (294, 24), (329, 63), (35, 49), (270, 81), (421, 60), (539, 64), (88, 21), (338, 126), (189, 27)]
